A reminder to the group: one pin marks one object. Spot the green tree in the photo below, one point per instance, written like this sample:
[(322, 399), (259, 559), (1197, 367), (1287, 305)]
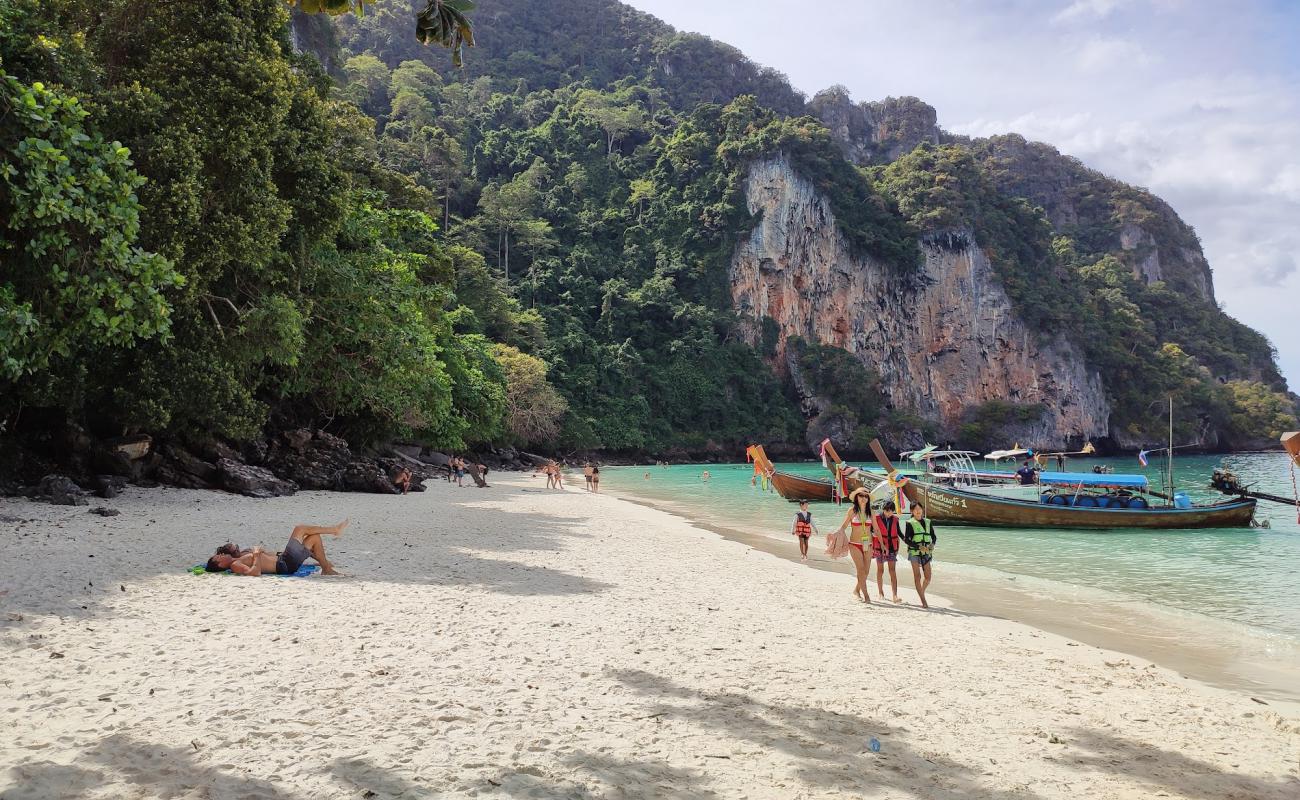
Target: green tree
[(534, 408), (71, 276), (617, 116), (441, 22)]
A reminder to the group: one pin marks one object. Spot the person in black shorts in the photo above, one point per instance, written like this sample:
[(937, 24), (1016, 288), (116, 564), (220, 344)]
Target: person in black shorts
[(304, 543)]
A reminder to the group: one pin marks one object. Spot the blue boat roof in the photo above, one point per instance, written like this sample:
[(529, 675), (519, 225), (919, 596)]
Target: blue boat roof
[(1111, 481)]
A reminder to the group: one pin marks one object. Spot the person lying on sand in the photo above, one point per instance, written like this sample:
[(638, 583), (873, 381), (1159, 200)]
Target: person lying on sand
[(305, 542)]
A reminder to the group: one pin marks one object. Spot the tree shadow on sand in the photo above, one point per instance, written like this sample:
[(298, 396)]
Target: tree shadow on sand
[(431, 554), (1175, 773), (828, 747), (593, 775), (445, 558), (579, 775), (153, 770)]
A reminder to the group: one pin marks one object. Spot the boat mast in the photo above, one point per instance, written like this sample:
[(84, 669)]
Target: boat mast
[(1170, 452)]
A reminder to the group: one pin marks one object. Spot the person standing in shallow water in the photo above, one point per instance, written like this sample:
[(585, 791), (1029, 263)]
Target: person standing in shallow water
[(921, 539), (803, 528)]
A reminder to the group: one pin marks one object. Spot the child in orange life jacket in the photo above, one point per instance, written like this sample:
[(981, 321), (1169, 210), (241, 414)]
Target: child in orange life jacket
[(803, 528), (884, 548)]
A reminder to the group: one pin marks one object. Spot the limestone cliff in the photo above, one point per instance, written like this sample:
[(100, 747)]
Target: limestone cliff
[(942, 341)]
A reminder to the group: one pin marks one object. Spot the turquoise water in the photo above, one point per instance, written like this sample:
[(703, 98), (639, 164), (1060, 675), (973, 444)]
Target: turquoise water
[(1247, 576)]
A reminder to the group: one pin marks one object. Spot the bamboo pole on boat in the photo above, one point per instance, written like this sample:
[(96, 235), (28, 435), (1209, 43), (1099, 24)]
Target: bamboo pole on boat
[(1169, 460)]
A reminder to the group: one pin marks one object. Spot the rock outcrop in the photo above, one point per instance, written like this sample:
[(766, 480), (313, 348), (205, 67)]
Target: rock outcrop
[(1138, 227), (880, 131), (1135, 225), (942, 341)]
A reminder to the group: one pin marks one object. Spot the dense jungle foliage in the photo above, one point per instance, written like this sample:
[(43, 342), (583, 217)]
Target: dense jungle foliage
[(215, 221)]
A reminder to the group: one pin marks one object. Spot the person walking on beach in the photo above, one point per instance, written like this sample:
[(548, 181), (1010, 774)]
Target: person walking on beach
[(884, 548), (857, 520), (803, 528), (595, 479), (920, 538), (586, 474)]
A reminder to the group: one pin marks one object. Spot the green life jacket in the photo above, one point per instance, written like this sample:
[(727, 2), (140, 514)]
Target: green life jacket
[(922, 536)]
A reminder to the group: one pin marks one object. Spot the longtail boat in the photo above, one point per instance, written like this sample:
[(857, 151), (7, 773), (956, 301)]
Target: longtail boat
[(1115, 501), (797, 487), (791, 487), (1291, 442)]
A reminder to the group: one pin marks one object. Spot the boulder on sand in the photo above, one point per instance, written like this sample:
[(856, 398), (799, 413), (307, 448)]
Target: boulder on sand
[(61, 491), (108, 486), (240, 478)]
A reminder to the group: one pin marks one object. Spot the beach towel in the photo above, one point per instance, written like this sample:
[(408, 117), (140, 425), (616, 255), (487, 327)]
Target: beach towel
[(837, 544), (303, 571)]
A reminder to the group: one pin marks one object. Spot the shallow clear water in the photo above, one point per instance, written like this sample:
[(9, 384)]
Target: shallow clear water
[(1248, 576)]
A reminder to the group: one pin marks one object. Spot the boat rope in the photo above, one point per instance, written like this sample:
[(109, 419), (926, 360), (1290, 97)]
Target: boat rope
[(1295, 492)]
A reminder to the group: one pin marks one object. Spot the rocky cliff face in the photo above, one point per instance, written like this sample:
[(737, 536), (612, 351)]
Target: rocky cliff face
[(942, 341), (877, 132)]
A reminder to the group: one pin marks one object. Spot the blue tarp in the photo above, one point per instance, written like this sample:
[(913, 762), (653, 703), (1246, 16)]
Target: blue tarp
[(1114, 481)]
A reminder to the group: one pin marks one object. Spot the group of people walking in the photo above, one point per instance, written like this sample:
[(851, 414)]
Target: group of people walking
[(876, 538)]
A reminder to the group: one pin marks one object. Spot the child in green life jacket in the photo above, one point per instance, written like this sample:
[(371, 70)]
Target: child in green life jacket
[(919, 535)]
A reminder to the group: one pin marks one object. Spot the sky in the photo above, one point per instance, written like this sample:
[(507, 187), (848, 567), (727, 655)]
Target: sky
[(1197, 101)]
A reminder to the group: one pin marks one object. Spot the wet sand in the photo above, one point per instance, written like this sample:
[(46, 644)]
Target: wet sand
[(1203, 649)]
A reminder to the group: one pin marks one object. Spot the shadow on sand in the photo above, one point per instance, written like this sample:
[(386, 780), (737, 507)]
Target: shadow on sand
[(828, 747), (1174, 773)]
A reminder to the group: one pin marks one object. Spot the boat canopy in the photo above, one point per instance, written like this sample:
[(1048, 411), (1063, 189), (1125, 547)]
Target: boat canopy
[(917, 455), (998, 455), (1093, 480), (932, 453)]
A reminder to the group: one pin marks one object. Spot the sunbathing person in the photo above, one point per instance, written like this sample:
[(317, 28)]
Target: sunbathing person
[(304, 543)]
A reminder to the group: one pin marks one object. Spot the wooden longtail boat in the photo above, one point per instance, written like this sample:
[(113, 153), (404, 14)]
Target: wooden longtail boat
[(965, 507), (791, 487), (797, 487)]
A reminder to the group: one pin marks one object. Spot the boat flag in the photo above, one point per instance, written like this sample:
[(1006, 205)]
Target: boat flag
[(821, 450), (1142, 457)]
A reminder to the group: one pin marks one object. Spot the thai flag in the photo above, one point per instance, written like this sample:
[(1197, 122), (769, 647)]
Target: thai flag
[(1142, 457)]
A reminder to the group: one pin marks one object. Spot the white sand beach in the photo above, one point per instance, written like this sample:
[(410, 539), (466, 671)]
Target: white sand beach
[(520, 642)]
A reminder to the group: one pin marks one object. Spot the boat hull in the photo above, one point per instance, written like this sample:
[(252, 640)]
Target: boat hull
[(960, 507), (797, 487)]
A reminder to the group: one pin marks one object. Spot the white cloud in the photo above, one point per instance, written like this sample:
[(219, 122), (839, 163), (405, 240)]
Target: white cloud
[(1099, 53), (1195, 101), (1081, 10)]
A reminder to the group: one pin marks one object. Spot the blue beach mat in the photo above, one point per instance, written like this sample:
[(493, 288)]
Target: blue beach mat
[(303, 571)]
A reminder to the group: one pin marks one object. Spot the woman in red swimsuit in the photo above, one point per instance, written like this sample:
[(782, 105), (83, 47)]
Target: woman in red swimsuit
[(857, 520)]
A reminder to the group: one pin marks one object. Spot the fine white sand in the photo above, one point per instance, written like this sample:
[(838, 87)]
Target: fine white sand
[(519, 642)]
